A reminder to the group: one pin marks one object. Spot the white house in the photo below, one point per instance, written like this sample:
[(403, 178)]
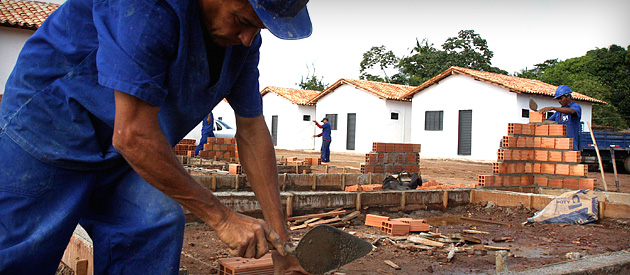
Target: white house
[(18, 21), (289, 116), (464, 113), (362, 112)]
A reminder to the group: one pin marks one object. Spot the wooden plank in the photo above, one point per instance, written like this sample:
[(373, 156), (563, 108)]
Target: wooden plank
[(392, 264), (351, 216), (471, 231), (319, 215), (335, 219), (423, 241)]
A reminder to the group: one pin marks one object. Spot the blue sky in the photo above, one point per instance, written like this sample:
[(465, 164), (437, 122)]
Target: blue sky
[(520, 33)]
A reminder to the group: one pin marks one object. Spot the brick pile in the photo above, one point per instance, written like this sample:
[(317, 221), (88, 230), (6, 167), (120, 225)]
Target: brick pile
[(538, 155), (220, 149), (246, 266), (296, 161), (392, 158), (396, 227), (186, 147)]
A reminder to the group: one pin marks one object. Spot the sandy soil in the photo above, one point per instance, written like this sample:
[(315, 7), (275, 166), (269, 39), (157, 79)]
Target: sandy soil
[(530, 245)]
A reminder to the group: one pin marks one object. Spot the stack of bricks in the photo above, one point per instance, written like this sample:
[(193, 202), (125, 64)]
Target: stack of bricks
[(186, 147), (540, 155), (400, 226), (438, 185), (296, 161), (246, 266), (220, 149), (392, 158)]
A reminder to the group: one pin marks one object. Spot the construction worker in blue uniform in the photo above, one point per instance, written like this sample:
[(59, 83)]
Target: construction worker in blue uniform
[(207, 126), (569, 114), (326, 139), (98, 97)]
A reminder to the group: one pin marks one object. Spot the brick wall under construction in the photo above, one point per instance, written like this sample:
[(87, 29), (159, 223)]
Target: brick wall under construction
[(538, 154), (392, 158)]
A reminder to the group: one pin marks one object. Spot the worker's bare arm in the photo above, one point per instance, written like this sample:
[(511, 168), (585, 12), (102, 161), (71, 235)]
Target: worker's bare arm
[(138, 137), (563, 110), (258, 157)]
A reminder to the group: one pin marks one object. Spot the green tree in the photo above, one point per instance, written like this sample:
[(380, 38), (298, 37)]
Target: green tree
[(466, 50), (601, 73), (377, 57), (311, 81), (538, 69)]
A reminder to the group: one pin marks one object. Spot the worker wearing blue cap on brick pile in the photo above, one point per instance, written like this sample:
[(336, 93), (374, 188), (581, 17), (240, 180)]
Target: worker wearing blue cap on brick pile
[(98, 97), (326, 139), (207, 126), (569, 114)]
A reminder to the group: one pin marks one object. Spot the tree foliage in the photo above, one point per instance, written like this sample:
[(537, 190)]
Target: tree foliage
[(601, 73), (312, 82), (377, 57), (466, 50)]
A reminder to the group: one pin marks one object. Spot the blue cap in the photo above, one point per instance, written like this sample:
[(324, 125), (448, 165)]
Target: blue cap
[(562, 90), (286, 19)]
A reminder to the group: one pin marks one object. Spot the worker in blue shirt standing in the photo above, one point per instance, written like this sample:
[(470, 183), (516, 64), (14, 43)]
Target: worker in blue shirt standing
[(98, 97), (569, 114), (207, 126), (325, 134)]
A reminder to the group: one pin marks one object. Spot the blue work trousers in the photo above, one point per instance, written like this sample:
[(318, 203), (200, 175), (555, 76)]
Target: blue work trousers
[(325, 150), (135, 228)]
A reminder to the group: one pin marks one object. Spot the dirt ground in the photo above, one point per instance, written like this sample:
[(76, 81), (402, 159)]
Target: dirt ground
[(530, 245)]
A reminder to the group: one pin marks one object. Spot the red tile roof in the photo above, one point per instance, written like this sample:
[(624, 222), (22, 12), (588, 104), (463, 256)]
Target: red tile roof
[(24, 14), (297, 96), (512, 83), (382, 90)]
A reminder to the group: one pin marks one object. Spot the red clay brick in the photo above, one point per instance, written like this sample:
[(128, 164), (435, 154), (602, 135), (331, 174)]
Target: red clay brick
[(542, 130), (235, 169), (528, 129), (562, 169), (548, 143), (514, 128), (541, 180), (572, 156), (578, 170), (570, 183), (537, 168), (375, 220), (396, 228), (535, 117), (558, 130), (485, 180), (564, 143), (555, 156), (541, 155), (586, 184), (548, 168), (555, 182)]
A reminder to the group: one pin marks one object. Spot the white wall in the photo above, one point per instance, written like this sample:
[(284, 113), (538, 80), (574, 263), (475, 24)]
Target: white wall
[(293, 132), (11, 41), (374, 122), (492, 109)]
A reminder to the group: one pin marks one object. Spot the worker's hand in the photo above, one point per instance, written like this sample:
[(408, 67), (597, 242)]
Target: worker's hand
[(248, 237), (286, 265), (315, 121), (546, 109), (315, 135)]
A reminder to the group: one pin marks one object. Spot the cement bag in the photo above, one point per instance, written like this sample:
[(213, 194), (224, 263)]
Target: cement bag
[(574, 207)]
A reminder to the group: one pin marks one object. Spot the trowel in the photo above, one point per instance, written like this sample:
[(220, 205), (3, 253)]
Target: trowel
[(533, 105), (325, 248)]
